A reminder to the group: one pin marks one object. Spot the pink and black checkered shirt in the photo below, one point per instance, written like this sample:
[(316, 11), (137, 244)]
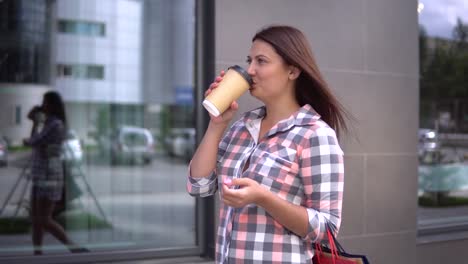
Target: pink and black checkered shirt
[(299, 160)]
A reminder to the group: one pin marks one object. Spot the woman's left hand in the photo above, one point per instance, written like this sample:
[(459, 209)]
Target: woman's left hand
[(249, 191)]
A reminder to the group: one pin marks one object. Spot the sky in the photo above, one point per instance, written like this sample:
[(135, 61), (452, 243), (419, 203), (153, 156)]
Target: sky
[(440, 16)]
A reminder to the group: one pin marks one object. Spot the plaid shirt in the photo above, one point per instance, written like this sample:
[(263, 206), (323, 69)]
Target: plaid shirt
[(46, 167), (299, 160)]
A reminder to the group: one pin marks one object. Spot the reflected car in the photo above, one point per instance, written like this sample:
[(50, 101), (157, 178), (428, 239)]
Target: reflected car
[(429, 150), (72, 150), (3, 152), (181, 143), (128, 143)]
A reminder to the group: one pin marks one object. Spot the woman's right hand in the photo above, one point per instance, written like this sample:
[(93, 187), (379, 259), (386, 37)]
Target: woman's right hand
[(225, 117)]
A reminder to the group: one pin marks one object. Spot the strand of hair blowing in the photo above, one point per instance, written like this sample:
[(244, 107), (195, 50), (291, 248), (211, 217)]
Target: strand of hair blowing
[(311, 88)]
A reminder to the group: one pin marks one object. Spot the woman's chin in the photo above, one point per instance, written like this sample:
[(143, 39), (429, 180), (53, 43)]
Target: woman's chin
[(254, 94)]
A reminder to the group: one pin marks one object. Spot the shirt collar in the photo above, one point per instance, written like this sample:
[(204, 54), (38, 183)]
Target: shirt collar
[(306, 115)]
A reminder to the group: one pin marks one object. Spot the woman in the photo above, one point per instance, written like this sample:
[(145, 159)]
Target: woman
[(47, 170), (279, 168)]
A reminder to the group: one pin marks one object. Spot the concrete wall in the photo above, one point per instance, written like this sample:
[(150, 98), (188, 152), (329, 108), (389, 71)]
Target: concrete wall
[(368, 52)]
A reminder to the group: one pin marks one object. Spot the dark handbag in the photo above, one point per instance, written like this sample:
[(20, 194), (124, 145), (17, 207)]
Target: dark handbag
[(70, 190), (334, 253)]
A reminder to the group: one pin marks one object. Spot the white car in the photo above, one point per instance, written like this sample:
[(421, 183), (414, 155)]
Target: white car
[(428, 146), (181, 142), (128, 143), (72, 150), (3, 152)]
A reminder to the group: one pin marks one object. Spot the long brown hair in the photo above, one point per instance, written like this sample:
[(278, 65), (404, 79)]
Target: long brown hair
[(292, 45), (56, 106)]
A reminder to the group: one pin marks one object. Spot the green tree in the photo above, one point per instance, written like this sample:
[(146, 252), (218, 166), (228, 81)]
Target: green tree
[(422, 49), (459, 86), (444, 71), (460, 35)]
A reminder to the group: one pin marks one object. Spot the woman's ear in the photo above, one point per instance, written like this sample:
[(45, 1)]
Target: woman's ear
[(294, 72)]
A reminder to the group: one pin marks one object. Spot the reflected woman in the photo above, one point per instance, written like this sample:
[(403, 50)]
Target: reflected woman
[(47, 170)]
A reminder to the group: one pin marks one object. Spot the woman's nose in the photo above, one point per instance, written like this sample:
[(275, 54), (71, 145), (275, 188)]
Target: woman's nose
[(251, 69)]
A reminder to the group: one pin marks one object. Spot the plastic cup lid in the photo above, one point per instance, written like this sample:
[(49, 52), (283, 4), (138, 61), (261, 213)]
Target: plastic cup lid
[(242, 72)]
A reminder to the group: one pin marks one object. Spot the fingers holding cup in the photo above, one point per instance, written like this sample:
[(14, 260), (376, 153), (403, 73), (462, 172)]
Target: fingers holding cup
[(226, 89)]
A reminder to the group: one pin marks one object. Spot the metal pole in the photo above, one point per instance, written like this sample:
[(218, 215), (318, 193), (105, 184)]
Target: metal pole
[(205, 69)]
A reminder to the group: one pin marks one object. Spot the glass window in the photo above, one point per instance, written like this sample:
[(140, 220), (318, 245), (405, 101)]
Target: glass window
[(119, 180), (135, 139), (23, 42), (67, 70), (66, 27), (81, 71), (100, 30), (443, 132), (81, 28), (95, 72), (18, 115)]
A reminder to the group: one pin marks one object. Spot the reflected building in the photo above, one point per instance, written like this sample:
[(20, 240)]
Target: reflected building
[(116, 62), (23, 41), (124, 62), (168, 72), (97, 62), (24, 56)]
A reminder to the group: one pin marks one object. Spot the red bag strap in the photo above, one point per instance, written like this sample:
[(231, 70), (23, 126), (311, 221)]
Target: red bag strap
[(333, 249)]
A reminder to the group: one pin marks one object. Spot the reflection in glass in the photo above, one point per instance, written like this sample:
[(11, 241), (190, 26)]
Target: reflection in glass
[(125, 71), (24, 43), (81, 28), (47, 171), (443, 133)]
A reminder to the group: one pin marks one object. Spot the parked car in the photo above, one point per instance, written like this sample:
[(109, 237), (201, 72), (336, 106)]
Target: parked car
[(181, 142), (429, 150), (128, 143), (3, 152), (72, 150)]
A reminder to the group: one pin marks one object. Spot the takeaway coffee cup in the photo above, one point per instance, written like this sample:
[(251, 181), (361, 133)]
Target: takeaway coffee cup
[(235, 82)]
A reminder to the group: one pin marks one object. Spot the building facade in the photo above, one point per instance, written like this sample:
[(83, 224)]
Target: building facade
[(24, 27), (97, 56)]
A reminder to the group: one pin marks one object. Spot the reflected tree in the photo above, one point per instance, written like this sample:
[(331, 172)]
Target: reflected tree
[(443, 72)]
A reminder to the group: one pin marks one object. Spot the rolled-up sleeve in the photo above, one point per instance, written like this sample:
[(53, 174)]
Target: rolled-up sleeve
[(322, 172), (202, 187), (208, 185)]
